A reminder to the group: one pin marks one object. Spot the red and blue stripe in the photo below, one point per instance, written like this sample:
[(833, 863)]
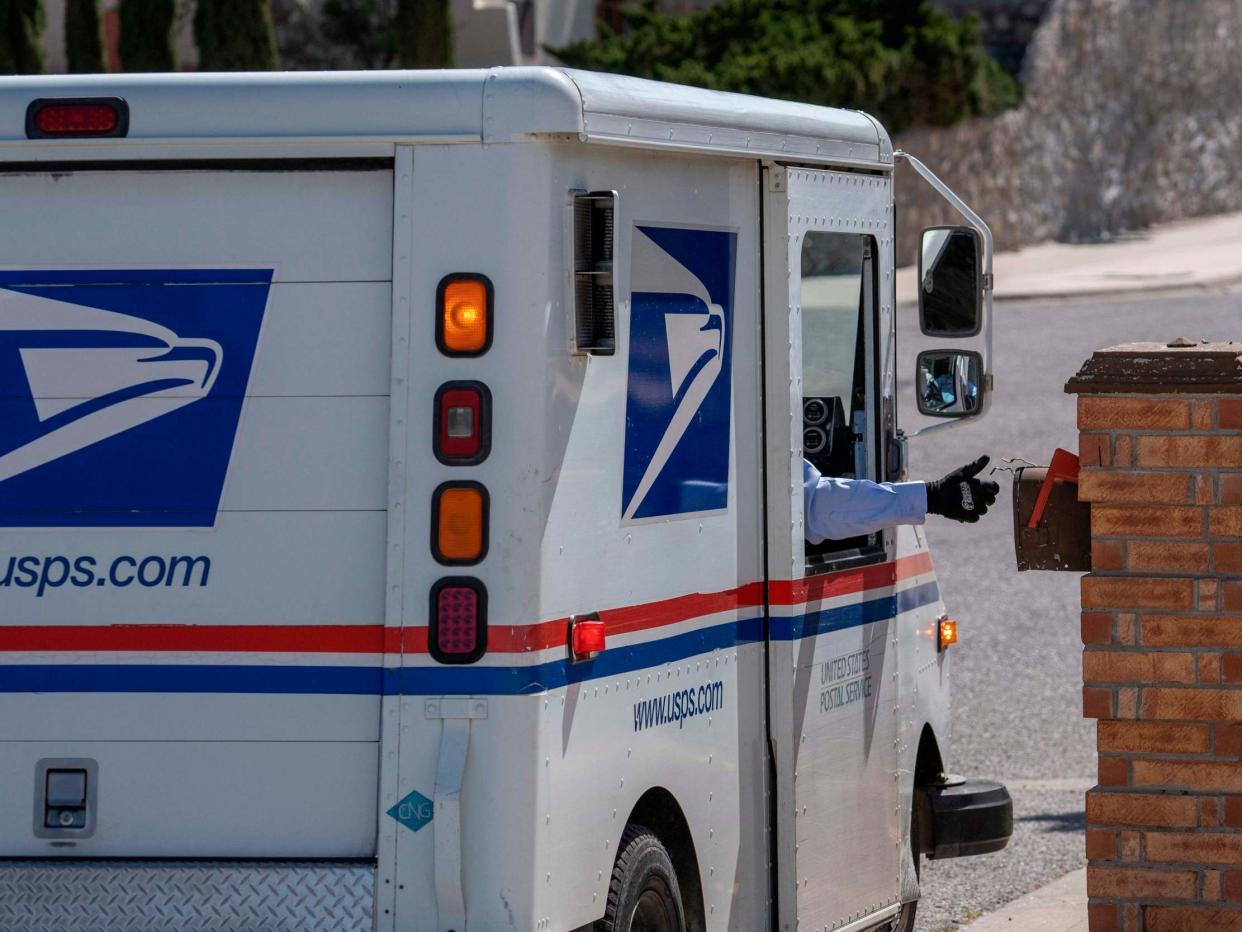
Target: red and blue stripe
[(403, 665)]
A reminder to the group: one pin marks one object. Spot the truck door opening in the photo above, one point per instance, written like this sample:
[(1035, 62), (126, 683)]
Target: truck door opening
[(837, 295)]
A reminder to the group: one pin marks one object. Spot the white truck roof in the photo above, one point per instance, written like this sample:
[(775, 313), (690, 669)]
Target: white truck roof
[(364, 110)]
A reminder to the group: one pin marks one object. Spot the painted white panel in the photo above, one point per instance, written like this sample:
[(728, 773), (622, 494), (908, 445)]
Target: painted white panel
[(328, 338), (266, 568), (846, 782), (206, 799), (310, 454), (188, 717), (309, 226)]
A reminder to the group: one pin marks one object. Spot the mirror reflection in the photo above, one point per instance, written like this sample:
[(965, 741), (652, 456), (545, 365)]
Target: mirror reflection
[(950, 293), (949, 384)]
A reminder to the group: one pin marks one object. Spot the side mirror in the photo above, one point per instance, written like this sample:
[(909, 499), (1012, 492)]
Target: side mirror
[(950, 285), (949, 384)]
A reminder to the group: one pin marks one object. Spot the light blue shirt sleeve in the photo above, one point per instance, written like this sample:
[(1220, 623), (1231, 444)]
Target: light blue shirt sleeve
[(839, 508)]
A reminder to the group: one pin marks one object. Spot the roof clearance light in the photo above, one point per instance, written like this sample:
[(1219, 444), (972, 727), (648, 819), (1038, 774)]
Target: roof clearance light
[(463, 423), (464, 315), (77, 118), (458, 620), (459, 523), (948, 633)]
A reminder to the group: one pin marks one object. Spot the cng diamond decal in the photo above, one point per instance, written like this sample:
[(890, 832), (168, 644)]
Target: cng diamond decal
[(415, 811)]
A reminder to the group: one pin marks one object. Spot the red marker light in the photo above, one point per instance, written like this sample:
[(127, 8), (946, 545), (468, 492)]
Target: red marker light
[(71, 118), (458, 620), (463, 430), (587, 637)]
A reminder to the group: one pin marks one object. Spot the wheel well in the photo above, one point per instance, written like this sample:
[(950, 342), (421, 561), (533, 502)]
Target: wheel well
[(658, 810), (928, 764)]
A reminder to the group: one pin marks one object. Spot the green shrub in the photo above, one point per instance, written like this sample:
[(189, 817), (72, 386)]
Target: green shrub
[(83, 39), (235, 35), (423, 30), (146, 40), (364, 28), (903, 61), (21, 22)]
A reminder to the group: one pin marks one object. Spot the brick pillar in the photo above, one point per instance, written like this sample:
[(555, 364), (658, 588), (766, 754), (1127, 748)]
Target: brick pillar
[(1161, 449)]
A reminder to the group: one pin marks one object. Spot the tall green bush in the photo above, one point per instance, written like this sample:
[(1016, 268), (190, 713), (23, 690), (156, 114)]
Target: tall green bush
[(362, 30), (235, 35), (83, 39), (146, 40), (904, 61), (423, 30), (21, 23)]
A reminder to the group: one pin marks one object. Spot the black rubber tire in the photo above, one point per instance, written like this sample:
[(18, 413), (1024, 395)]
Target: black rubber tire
[(905, 919), (643, 895)]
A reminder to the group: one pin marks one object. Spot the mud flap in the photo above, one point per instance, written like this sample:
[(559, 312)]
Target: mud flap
[(968, 817)]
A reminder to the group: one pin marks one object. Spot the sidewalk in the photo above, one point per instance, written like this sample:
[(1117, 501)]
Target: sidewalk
[(1060, 906), (1188, 255)]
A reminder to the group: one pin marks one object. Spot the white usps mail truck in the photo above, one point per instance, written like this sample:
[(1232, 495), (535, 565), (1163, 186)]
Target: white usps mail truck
[(401, 509)]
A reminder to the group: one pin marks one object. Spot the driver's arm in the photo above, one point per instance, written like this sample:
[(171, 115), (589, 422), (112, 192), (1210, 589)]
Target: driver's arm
[(836, 509), (841, 508)]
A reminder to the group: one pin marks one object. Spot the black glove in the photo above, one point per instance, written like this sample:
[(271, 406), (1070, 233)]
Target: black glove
[(961, 496)]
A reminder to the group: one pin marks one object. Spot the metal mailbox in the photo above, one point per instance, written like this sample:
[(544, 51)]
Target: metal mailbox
[(1051, 527)]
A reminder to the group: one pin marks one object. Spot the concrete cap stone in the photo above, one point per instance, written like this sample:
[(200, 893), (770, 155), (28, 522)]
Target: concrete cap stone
[(1180, 366)]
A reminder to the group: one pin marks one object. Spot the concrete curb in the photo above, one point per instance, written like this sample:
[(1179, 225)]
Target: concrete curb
[(1207, 284), (1060, 906)]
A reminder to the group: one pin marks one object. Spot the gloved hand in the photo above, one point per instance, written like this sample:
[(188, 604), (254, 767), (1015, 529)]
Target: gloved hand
[(960, 495)]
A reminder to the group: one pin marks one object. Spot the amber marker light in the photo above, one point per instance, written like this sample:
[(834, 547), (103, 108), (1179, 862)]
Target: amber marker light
[(459, 523), (948, 633), (464, 315)]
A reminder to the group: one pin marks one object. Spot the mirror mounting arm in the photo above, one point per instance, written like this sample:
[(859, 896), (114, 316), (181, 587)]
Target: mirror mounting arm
[(988, 279), (957, 204)]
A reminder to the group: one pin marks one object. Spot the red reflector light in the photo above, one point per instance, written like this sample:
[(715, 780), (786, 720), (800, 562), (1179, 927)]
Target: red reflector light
[(457, 611), (463, 430), (458, 620), (586, 637), (77, 118)]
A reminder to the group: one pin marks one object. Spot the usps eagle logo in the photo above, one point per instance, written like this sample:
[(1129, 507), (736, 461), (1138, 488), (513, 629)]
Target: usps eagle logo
[(678, 396), (121, 391)]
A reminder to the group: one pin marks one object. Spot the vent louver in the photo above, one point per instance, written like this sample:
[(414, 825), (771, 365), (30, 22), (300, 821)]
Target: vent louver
[(594, 304)]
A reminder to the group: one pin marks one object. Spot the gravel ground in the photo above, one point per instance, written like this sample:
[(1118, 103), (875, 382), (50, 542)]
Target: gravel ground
[(1017, 683)]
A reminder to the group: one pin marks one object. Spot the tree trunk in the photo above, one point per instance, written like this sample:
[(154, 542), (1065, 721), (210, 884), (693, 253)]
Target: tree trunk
[(424, 34), (146, 41), (235, 35), (21, 22), (83, 39)]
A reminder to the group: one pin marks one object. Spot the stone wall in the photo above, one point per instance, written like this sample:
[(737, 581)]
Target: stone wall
[(1132, 117), (1006, 26)]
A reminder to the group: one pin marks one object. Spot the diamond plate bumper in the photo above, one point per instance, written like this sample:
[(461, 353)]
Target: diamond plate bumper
[(265, 896)]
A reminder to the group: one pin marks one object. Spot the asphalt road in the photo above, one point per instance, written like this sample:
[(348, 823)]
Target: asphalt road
[(1017, 668)]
